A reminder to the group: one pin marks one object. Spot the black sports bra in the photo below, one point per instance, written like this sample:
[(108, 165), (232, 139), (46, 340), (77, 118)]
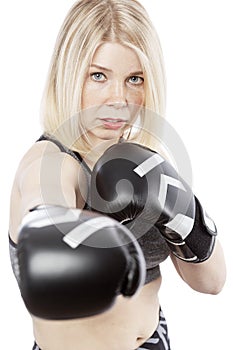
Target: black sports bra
[(153, 245)]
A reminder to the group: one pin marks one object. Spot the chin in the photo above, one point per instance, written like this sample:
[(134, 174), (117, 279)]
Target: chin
[(108, 135)]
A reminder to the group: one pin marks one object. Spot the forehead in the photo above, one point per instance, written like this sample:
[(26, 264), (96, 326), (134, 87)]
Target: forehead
[(115, 55)]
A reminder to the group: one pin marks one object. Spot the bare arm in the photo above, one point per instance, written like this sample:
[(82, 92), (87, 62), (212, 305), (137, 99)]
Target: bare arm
[(45, 176), (206, 277)]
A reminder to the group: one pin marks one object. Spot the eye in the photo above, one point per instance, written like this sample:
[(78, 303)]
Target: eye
[(136, 80), (98, 76)]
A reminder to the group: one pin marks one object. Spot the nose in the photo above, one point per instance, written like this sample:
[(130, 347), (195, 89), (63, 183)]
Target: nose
[(117, 95)]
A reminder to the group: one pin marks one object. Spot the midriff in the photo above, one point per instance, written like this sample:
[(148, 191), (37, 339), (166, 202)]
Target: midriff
[(126, 326)]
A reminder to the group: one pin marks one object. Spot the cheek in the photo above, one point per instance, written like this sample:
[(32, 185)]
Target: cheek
[(141, 100), (87, 101), (90, 97), (137, 97)]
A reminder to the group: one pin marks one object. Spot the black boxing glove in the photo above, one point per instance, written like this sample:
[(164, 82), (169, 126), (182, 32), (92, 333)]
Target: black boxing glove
[(134, 184), (74, 263)]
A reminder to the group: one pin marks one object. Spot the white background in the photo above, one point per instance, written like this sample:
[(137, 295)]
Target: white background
[(196, 37)]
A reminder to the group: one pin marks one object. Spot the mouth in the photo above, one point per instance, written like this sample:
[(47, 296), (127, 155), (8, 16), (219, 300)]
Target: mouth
[(113, 123)]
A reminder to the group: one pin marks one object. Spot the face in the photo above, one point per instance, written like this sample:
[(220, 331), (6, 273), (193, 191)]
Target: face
[(113, 92)]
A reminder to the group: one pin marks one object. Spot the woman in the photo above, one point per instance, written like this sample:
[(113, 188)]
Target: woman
[(106, 71)]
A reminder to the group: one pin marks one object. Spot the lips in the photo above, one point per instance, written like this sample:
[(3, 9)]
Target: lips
[(113, 123)]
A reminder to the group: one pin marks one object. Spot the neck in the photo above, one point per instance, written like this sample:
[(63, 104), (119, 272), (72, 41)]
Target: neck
[(91, 156)]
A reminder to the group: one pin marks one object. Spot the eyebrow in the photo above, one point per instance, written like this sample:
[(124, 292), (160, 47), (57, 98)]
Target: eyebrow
[(109, 70)]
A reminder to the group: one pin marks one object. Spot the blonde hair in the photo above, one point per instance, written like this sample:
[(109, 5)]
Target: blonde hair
[(88, 24)]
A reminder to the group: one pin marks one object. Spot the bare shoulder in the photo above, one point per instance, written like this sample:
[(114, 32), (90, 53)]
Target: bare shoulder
[(37, 152), (46, 159), (45, 175)]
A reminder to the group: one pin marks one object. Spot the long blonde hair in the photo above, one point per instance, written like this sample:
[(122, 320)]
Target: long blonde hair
[(88, 24)]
